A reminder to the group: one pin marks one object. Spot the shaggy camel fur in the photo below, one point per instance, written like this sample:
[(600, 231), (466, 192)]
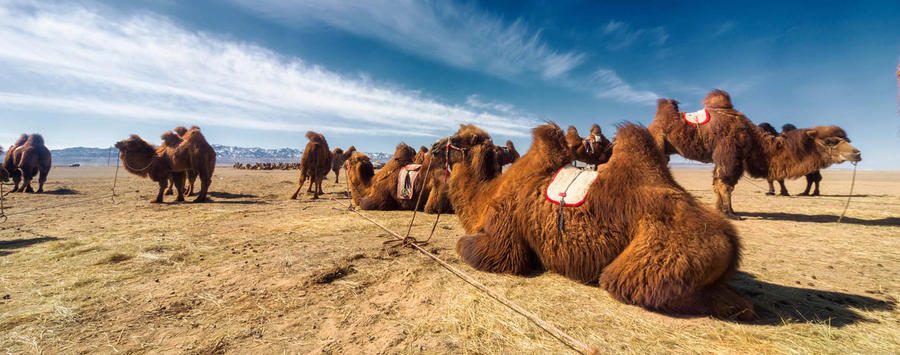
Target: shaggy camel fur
[(639, 235), (811, 178), (174, 141), (593, 150), (359, 175), (337, 163), (170, 163), (28, 157), (314, 164), (420, 155), (736, 145)]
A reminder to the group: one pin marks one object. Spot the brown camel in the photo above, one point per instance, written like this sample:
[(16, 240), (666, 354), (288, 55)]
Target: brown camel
[(593, 150), (359, 176), (811, 178), (9, 164), (639, 235), (506, 154), (28, 157), (736, 145), (380, 192), (170, 163), (180, 131), (314, 164), (337, 163)]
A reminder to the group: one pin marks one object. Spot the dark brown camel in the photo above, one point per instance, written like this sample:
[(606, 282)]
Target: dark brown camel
[(337, 163), (165, 163), (595, 149), (736, 145), (636, 235), (506, 154), (314, 164), (191, 175), (811, 178), (27, 158)]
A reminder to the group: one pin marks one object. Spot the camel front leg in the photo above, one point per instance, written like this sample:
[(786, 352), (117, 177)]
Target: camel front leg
[(177, 179), (192, 178), (809, 183), (671, 269), (497, 252), (162, 187), (771, 188), (723, 198), (26, 181), (784, 191), (337, 176), (205, 181), (299, 186), (169, 190)]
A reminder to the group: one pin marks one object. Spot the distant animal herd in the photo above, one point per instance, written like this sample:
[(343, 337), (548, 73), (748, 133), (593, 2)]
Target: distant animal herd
[(622, 223)]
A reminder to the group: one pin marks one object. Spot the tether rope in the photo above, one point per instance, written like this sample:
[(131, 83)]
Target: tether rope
[(555, 332), (850, 195)]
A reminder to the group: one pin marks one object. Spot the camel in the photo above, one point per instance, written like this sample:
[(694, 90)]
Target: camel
[(593, 150), (811, 178), (736, 145), (26, 158), (380, 191), (314, 164), (174, 141), (359, 175), (506, 154), (165, 163), (636, 235), (337, 162)]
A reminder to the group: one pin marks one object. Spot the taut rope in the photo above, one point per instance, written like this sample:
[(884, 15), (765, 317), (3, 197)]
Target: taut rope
[(850, 195)]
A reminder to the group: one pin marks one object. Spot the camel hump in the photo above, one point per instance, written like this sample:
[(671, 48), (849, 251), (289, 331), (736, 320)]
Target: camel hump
[(423, 149), (667, 105), (195, 128), (170, 139), (22, 139), (830, 131), (766, 127), (180, 130), (315, 136), (595, 129), (718, 99), (509, 145), (788, 127), (36, 140)]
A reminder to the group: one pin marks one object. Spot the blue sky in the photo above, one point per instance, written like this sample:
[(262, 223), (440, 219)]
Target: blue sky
[(374, 73)]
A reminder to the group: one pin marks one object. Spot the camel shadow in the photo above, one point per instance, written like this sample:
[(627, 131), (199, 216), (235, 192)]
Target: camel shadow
[(62, 191), (840, 196), (779, 305), (7, 245), (228, 195), (822, 218)]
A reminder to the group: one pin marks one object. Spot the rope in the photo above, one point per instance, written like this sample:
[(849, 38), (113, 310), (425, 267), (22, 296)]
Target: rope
[(3, 215), (421, 192), (850, 195), (555, 332)]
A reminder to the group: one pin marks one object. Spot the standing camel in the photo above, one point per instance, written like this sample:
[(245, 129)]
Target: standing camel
[(165, 163), (730, 140), (337, 163), (635, 234), (27, 158), (174, 141), (314, 164)]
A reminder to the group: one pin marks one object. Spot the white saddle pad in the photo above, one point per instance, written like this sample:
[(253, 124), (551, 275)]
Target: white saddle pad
[(696, 118), (406, 181), (570, 186)]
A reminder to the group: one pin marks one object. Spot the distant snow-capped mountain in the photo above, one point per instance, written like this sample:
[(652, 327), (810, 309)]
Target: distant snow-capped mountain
[(225, 155)]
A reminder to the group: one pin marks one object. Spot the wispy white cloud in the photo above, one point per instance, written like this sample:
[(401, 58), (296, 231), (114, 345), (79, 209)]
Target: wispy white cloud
[(620, 35), (724, 28), (459, 35), (80, 59), (604, 83)]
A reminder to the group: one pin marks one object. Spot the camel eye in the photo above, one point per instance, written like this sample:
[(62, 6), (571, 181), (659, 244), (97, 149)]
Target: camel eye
[(832, 141)]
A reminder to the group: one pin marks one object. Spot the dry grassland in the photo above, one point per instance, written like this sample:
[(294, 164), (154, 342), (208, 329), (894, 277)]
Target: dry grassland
[(253, 272)]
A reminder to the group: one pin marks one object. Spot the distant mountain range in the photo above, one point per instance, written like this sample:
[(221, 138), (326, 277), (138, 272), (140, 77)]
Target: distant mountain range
[(225, 155)]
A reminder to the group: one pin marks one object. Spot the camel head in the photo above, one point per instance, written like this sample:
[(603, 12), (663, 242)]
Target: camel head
[(133, 143), (180, 131), (314, 136), (593, 149), (453, 149), (349, 152), (834, 144), (404, 154), (338, 152)]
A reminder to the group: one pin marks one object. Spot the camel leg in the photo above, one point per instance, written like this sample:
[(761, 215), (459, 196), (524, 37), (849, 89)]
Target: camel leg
[(317, 181), (816, 178), (677, 270), (337, 176), (162, 187), (177, 179), (771, 188), (809, 183), (299, 186), (26, 181), (728, 171), (169, 190), (42, 178), (784, 191), (192, 178), (205, 181), (496, 253)]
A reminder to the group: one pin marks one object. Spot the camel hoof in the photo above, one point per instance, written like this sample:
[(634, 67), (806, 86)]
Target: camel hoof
[(815, 193), (200, 200), (734, 217), (784, 194), (770, 194), (156, 201), (803, 194)]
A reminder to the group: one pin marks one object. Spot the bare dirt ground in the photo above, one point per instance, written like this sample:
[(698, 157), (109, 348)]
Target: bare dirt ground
[(253, 272)]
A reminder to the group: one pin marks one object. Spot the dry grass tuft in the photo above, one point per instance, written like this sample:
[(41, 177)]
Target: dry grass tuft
[(114, 258)]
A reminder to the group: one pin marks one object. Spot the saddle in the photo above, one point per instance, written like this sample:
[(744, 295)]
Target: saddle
[(696, 118), (570, 186), (406, 181)]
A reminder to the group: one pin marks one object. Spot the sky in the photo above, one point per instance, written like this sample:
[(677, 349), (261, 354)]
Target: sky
[(374, 73)]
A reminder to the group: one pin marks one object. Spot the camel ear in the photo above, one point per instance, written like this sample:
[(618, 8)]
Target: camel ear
[(810, 133)]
